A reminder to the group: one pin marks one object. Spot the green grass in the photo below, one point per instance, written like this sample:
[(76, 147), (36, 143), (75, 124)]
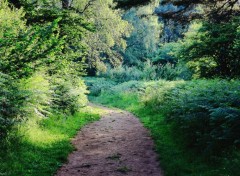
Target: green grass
[(44, 145), (175, 158)]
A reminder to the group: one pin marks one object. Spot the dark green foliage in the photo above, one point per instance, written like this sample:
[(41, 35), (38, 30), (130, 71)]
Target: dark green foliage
[(219, 43), (143, 42), (213, 50), (33, 38), (11, 103), (206, 112), (72, 28)]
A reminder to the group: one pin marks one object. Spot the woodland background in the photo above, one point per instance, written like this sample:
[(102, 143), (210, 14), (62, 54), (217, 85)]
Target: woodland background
[(175, 64)]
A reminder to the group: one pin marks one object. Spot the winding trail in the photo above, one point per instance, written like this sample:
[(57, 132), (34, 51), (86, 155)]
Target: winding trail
[(115, 145)]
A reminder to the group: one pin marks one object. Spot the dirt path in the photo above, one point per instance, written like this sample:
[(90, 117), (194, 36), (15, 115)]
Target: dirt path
[(116, 145)]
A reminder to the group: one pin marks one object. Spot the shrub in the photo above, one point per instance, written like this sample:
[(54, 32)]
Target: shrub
[(98, 85), (147, 72), (39, 92), (173, 72), (131, 86), (206, 112), (11, 101), (123, 74), (69, 93)]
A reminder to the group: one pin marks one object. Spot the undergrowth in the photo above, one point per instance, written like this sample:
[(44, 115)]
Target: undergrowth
[(42, 145), (176, 158)]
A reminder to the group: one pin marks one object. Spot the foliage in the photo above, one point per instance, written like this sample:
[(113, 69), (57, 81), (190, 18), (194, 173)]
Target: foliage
[(69, 94), (72, 28), (163, 99), (210, 45), (173, 72), (206, 112), (23, 49), (213, 45), (148, 72), (166, 53), (122, 74), (97, 85), (131, 86), (11, 103), (39, 95), (108, 39), (46, 142), (173, 28), (144, 39), (215, 11)]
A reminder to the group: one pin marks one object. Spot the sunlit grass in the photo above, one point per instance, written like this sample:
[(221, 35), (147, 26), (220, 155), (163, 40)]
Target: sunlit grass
[(45, 144)]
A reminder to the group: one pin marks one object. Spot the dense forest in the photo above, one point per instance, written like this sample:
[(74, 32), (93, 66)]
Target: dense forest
[(173, 63)]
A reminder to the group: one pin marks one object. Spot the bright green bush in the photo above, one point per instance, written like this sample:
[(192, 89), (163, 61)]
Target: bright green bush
[(39, 99), (24, 49), (206, 112), (69, 93), (97, 86)]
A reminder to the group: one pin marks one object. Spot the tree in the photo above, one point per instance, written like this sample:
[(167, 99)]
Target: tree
[(108, 40), (214, 10), (212, 49), (144, 39)]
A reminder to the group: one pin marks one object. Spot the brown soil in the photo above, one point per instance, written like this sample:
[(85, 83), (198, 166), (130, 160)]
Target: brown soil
[(116, 145)]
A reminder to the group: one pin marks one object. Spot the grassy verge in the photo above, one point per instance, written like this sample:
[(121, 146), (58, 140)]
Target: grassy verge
[(175, 159), (44, 145)]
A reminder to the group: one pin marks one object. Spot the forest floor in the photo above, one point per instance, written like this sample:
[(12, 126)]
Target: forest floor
[(116, 145)]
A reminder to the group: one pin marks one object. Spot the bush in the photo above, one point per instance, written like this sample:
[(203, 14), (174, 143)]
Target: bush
[(173, 72), (69, 94), (98, 85), (148, 72), (131, 86), (206, 112), (123, 74), (39, 92), (11, 102)]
